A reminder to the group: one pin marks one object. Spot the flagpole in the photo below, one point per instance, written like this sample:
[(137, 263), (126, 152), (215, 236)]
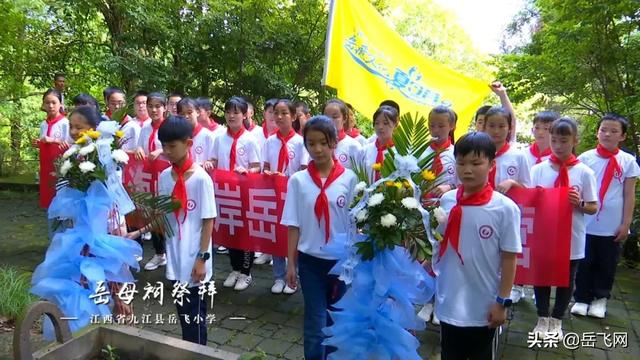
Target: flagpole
[(327, 45)]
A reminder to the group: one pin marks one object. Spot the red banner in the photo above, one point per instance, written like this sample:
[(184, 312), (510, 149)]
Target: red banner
[(545, 230), (142, 175), (249, 211), (49, 152)]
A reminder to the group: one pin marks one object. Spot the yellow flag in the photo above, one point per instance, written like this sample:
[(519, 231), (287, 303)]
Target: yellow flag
[(368, 62)]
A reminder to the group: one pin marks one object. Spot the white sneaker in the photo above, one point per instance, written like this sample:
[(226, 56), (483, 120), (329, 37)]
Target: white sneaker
[(155, 262), (555, 329), (426, 311), (580, 309), (288, 291), (598, 308), (243, 282), (435, 320), (222, 250), (517, 292), (542, 327), (231, 280), (138, 258), (262, 259), (146, 236), (278, 287)]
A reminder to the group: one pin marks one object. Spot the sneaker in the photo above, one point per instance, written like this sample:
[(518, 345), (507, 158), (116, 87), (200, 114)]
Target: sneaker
[(425, 312), (146, 236), (555, 329), (435, 320), (542, 327), (580, 309), (262, 259), (138, 258), (278, 287), (231, 280), (598, 308), (222, 250), (156, 261), (288, 291), (517, 292), (243, 282)]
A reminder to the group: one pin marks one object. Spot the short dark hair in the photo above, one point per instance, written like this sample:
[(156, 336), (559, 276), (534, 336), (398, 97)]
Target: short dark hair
[(453, 118), (106, 93), (324, 125), (85, 100), (624, 122), (184, 102), (546, 117), (204, 103), (54, 92), (175, 94), (389, 112), (270, 103), (158, 96), (341, 105), (115, 90), (482, 110), (476, 142), (391, 103), (564, 126), (289, 104), (175, 128), (58, 75), (90, 113), (236, 103), (304, 106), (140, 93)]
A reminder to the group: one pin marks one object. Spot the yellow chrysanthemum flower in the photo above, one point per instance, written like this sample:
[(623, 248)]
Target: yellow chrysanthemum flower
[(376, 166), (398, 184), (428, 175), (81, 140), (119, 133), (389, 183), (406, 184), (93, 134)]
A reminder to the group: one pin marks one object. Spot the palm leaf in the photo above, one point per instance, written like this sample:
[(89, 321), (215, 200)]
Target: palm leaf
[(152, 209), (360, 170)]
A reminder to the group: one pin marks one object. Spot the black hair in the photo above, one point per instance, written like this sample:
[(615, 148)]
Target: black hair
[(482, 110), (175, 128), (478, 143), (106, 93), (303, 105), (54, 92), (499, 110), (204, 103), (390, 113), (341, 105), (114, 90), (290, 105), (184, 102), (90, 113), (546, 117), (453, 118), (158, 96), (324, 125), (236, 103), (391, 103), (140, 93), (270, 104), (564, 126), (175, 94), (58, 75), (624, 122), (85, 100)]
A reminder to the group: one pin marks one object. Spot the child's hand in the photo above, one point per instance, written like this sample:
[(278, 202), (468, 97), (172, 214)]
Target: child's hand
[(198, 272), (139, 154), (154, 154), (504, 186), (35, 142), (133, 235), (267, 172), (621, 234), (497, 315), (63, 145), (240, 170), (439, 190), (208, 165), (292, 275), (498, 88), (574, 197)]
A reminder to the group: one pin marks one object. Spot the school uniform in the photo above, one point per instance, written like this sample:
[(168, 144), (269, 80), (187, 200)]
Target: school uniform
[(368, 157), (261, 136), (596, 271), (582, 179), (202, 148), (355, 134), (57, 128), (535, 156), (512, 165), (348, 148), (486, 230), (131, 130), (314, 263), (448, 163), (184, 245)]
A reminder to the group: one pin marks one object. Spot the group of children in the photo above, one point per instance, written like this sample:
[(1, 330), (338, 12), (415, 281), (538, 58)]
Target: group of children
[(474, 278)]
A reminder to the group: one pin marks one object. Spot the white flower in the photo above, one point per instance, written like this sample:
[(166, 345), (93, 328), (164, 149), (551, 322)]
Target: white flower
[(120, 156), (441, 215), (66, 166), (86, 166), (70, 151), (375, 199), (87, 149), (410, 203), (388, 220), (360, 187), (362, 215)]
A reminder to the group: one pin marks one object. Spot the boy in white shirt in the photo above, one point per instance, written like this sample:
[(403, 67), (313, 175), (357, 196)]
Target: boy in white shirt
[(616, 174), (475, 264)]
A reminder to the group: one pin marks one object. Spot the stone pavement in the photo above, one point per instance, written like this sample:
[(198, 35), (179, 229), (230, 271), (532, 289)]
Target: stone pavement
[(259, 322)]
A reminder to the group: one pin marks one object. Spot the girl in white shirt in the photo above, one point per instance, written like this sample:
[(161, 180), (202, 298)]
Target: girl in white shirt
[(348, 148), (385, 121)]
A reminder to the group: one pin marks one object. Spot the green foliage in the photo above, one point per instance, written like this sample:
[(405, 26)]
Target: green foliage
[(151, 210), (109, 353), (14, 292)]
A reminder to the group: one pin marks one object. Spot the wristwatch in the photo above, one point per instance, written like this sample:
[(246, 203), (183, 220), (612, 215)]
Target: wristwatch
[(506, 302), (204, 256)]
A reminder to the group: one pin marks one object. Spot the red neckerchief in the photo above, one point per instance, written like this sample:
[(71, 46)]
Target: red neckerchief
[(535, 151), (154, 132), (341, 135), (108, 113), (196, 130), (213, 125), (253, 126), (51, 122), (141, 121), (321, 207), (354, 133), (492, 172), (283, 155), (563, 173), (437, 162), (609, 172), (452, 232), (179, 192), (264, 131), (380, 149), (232, 153)]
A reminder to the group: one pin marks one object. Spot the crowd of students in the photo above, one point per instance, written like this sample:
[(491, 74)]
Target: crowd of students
[(316, 153)]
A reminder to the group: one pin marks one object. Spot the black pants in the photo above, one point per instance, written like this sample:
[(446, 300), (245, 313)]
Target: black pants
[(462, 343), (241, 260), (158, 243), (597, 270), (563, 295), (195, 309)]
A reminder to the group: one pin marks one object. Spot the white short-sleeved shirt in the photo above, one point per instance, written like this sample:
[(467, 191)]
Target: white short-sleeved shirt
[(302, 193), (582, 179), (131, 130), (372, 138), (368, 158), (513, 165), (348, 148), (59, 131), (531, 160), (466, 292), (219, 130), (448, 165), (202, 149), (298, 155), (145, 134), (142, 123), (360, 139), (258, 134), (247, 150), (201, 204), (609, 218)]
